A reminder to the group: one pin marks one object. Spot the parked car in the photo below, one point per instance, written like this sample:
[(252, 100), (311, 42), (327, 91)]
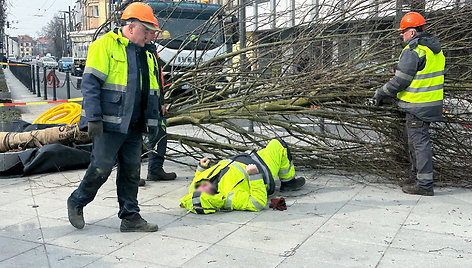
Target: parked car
[(65, 63), (27, 58), (47, 62), (11, 59)]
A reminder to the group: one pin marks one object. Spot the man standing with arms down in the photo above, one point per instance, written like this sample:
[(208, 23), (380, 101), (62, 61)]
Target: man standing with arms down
[(418, 84), (121, 101), (157, 141)]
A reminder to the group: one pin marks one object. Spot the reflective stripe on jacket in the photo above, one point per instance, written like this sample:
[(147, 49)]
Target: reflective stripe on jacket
[(425, 93), (109, 84), (236, 189)]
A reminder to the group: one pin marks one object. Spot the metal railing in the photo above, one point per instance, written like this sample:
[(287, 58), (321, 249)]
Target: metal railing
[(35, 78), (23, 73)]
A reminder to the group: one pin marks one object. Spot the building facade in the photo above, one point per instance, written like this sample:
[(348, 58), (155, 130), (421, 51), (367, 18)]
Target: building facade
[(26, 45), (13, 47), (43, 46)]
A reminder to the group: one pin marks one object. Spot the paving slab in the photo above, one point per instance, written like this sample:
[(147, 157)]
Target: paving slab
[(14, 247), (358, 231), (96, 239), (111, 261), (12, 217), (265, 240), (406, 258), (162, 250), (320, 251), (336, 221), (442, 214), (225, 256), (36, 257), (287, 221), (200, 230), (434, 243)]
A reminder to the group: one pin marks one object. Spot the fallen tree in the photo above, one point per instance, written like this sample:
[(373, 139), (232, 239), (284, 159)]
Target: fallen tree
[(311, 85), (65, 135)]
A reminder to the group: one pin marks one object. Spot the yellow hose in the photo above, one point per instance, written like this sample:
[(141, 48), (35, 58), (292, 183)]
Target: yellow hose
[(66, 113)]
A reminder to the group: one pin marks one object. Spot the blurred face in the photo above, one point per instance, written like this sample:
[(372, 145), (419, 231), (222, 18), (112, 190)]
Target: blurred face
[(138, 33), (151, 35), (408, 34), (206, 187)]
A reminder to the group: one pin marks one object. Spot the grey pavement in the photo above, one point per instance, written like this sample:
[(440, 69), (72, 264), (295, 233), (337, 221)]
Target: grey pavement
[(334, 221)]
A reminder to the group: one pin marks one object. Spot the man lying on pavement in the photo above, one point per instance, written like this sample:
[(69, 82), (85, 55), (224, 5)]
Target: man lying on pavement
[(242, 182)]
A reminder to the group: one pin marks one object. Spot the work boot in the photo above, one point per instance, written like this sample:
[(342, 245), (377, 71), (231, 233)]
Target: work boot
[(137, 224), (409, 181), (141, 182), (161, 175), (76, 215), (292, 185), (415, 189)]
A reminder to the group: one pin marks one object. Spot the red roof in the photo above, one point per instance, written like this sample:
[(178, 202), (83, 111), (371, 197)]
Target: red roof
[(44, 40), (25, 38)]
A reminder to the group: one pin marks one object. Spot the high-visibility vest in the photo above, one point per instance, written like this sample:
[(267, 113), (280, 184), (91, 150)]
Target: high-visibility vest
[(426, 88), (107, 60)]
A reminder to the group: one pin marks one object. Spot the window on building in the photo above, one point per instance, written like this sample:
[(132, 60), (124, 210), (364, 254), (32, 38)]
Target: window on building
[(94, 11)]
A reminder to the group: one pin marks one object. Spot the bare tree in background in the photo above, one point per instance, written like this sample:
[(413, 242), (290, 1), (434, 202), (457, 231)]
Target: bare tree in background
[(54, 30)]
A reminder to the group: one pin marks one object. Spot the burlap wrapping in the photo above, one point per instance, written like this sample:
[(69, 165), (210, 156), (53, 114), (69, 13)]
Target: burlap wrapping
[(66, 135)]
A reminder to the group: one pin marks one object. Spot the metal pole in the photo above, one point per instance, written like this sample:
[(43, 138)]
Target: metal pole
[(68, 84), (38, 85), (242, 45), (256, 15), (54, 97), (273, 10), (45, 84), (70, 21), (109, 8), (65, 36), (292, 13), (33, 82), (69, 48)]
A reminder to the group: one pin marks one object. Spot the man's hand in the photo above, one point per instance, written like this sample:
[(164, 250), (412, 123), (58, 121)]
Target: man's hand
[(204, 162), (252, 169), (95, 129), (378, 97), (163, 110)]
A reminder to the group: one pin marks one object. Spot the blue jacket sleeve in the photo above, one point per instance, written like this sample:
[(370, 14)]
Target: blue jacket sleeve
[(91, 86)]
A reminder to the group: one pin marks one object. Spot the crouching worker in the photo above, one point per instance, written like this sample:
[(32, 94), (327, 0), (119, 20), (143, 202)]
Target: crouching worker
[(242, 182)]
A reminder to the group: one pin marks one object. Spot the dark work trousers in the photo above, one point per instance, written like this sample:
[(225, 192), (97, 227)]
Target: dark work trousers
[(108, 149), (156, 159), (419, 149)]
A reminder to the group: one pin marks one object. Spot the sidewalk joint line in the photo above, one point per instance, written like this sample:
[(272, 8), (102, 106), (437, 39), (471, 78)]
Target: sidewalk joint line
[(293, 251), (398, 231)]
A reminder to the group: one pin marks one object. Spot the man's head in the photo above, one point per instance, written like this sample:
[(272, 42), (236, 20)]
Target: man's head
[(410, 25), (206, 187), (151, 35), (408, 34), (141, 23)]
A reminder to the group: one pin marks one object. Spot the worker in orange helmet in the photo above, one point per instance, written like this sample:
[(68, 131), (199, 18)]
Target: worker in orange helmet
[(418, 84), (121, 94)]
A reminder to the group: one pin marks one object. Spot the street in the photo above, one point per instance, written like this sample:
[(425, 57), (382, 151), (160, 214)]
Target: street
[(61, 91)]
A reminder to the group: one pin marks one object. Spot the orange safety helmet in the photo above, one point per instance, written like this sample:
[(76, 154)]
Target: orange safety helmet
[(411, 20), (141, 11)]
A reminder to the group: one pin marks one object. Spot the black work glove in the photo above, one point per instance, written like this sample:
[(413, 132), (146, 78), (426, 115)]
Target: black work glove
[(379, 97), (95, 129)]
